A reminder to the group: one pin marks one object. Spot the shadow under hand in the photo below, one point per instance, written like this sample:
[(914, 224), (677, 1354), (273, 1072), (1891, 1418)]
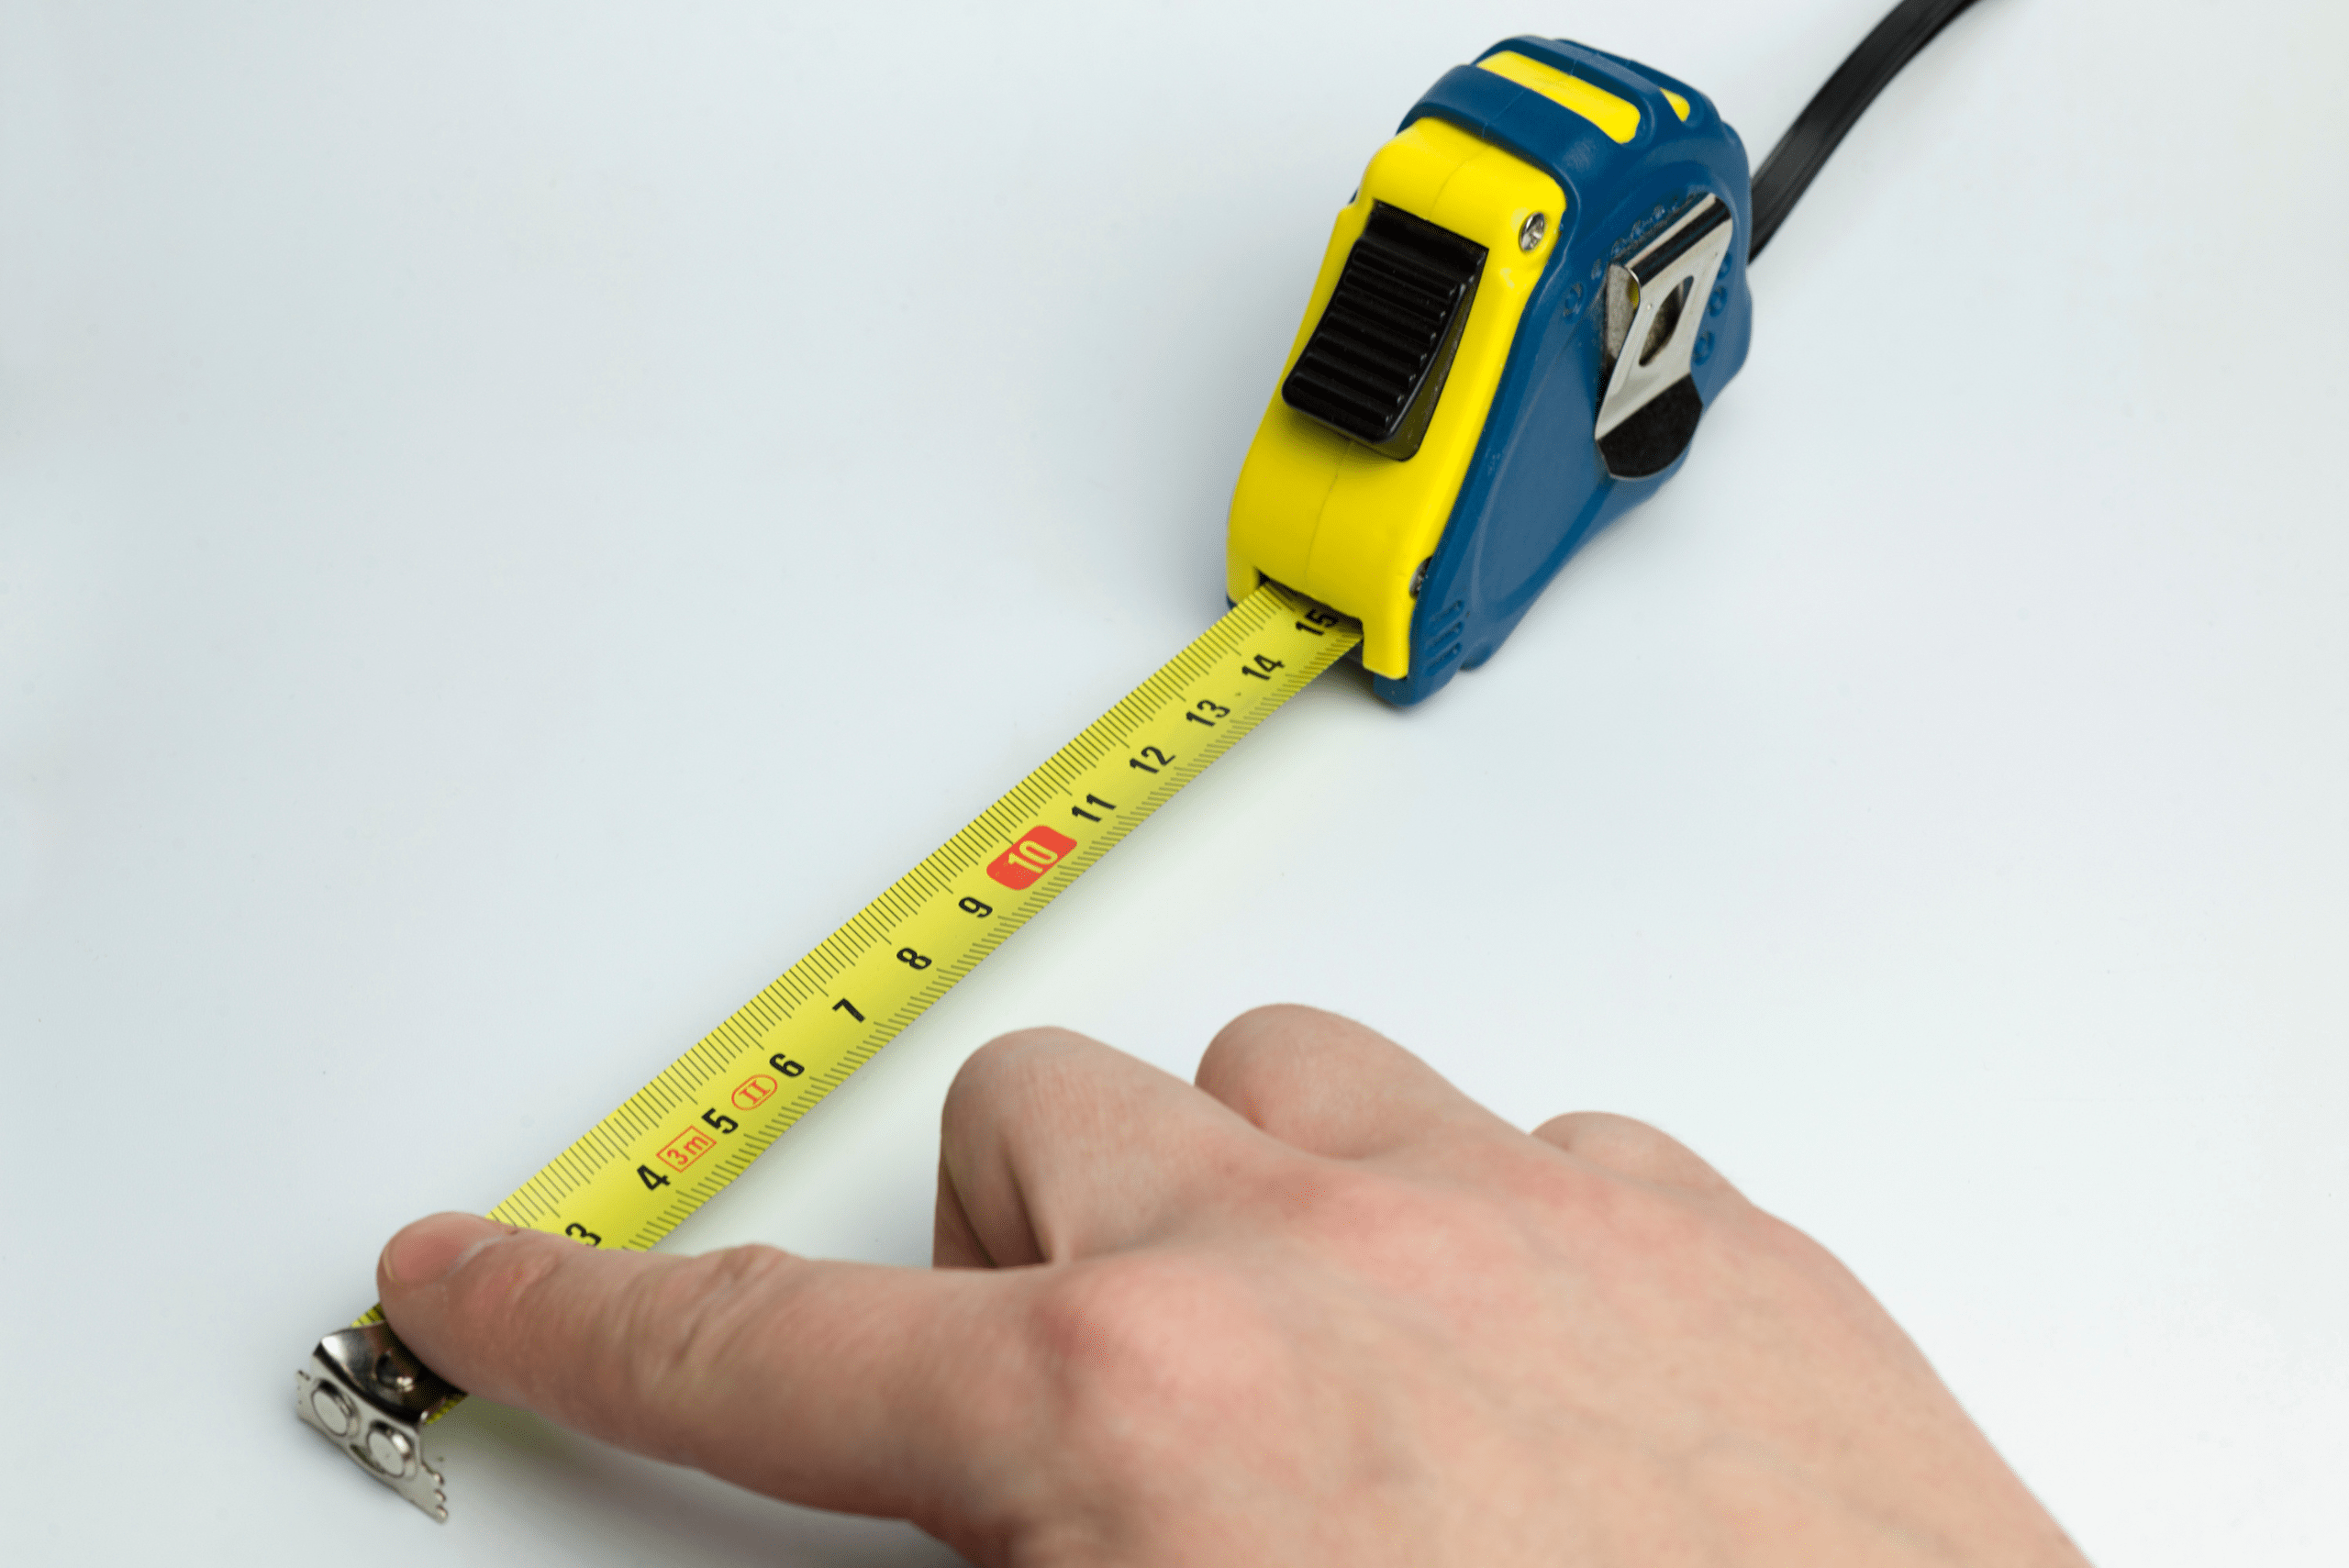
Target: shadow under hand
[(523, 1490)]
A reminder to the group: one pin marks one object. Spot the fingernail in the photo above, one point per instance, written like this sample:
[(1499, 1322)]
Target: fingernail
[(429, 1248)]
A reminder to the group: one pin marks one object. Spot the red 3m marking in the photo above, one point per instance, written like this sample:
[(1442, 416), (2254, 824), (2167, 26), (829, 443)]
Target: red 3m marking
[(1036, 852), (685, 1147)]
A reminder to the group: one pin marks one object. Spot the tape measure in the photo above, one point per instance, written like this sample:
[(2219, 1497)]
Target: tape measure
[(638, 1174), (1522, 315)]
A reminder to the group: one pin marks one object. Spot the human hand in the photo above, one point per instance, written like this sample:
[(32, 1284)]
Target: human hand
[(1321, 1309)]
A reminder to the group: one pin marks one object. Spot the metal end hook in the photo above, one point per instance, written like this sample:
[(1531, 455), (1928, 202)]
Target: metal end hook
[(371, 1396)]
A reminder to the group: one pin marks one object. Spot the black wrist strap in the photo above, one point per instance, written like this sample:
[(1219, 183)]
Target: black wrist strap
[(1829, 116)]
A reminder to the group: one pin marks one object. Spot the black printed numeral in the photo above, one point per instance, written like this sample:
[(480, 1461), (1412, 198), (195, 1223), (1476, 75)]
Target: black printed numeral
[(845, 1006), (653, 1180), (978, 906), (579, 1233), (1155, 755), (1214, 710), (1263, 667), (717, 1123), (911, 959), (1091, 800)]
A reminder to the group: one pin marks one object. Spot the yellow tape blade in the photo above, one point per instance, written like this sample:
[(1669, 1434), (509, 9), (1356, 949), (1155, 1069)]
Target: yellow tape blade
[(639, 1171)]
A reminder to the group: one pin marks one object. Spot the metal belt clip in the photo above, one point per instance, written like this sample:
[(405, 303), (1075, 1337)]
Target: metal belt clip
[(1656, 304), (368, 1393)]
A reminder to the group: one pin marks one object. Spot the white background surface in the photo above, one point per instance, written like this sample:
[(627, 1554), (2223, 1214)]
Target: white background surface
[(514, 521)]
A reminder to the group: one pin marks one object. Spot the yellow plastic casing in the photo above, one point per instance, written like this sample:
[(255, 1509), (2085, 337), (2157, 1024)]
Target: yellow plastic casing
[(1619, 117), (1333, 519)]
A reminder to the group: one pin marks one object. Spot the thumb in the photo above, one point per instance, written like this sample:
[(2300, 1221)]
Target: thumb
[(842, 1386)]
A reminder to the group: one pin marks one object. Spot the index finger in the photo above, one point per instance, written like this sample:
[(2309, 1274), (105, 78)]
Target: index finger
[(849, 1387)]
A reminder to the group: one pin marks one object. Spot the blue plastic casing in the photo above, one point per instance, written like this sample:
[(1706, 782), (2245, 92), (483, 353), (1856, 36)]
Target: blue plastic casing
[(1536, 490)]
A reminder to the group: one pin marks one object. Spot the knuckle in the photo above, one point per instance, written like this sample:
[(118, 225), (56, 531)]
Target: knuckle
[(1272, 1017), (1814, 1295), (1628, 1144), (1464, 1251), (1625, 1146), (1006, 1073), (1463, 1248), (1796, 1253), (1591, 1207), (1177, 1336), (1261, 1037), (1351, 1206)]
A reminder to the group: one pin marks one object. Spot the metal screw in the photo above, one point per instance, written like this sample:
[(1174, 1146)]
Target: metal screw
[(334, 1411), (1530, 232), (390, 1451), (392, 1377)]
